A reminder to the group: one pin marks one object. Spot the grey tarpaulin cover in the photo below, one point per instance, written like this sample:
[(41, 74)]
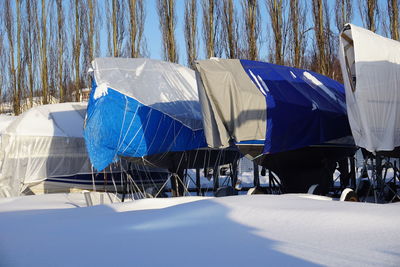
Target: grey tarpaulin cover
[(224, 81)]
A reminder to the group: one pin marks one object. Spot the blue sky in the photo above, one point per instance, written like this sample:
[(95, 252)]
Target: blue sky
[(154, 39), (153, 34)]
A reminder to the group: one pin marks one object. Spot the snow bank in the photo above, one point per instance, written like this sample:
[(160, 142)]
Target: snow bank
[(255, 230)]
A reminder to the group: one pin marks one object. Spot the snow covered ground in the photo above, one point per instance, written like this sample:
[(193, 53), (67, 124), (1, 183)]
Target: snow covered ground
[(254, 230)]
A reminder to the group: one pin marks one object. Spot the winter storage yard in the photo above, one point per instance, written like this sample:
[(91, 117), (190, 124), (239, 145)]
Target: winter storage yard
[(65, 229), (256, 230)]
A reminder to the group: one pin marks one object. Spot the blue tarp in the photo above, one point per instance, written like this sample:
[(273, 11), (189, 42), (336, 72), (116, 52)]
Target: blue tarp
[(120, 125), (303, 107)]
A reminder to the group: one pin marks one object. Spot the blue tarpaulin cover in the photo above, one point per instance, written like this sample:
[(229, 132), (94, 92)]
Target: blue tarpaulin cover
[(301, 108), (140, 107)]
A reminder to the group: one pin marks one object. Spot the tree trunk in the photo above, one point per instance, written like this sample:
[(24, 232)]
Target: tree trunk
[(294, 20), (44, 55), (191, 31), (9, 27), (319, 35), (275, 11), (30, 45), (91, 31), (115, 27), (252, 22), (60, 49), (210, 27), (77, 52), (17, 109), (167, 18), (133, 32), (230, 29), (393, 7)]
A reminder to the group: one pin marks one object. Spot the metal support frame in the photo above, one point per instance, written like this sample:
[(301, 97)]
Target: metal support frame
[(256, 180), (198, 184)]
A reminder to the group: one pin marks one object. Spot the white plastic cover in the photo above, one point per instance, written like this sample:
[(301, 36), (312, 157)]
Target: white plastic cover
[(164, 86), (45, 141), (5, 120), (371, 71)]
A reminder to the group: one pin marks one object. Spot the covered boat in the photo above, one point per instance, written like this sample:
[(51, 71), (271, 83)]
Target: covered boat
[(43, 151), (290, 120), (371, 72), (5, 120), (147, 111)]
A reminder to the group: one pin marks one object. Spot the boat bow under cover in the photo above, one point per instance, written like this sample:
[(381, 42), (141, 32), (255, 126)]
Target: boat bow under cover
[(141, 107), (286, 108), (371, 72)]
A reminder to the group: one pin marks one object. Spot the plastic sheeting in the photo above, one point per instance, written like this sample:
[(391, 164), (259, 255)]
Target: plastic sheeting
[(45, 141), (141, 107), (303, 108), (231, 103), (171, 87), (5, 120), (371, 71)]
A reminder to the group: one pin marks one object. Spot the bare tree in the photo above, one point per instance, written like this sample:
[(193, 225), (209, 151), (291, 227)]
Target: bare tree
[(20, 76), (30, 43), (211, 21), (343, 13), (318, 16), (43, 54), (191, 31), (118, 26), (369, 11), (115, 10), (297, 12), (52, 49), (77, 48), (91, 30), (252, 18), (136, 19), (331, 44), (60, 45), (230, 29), (9, 28), (393, 10), (109, 29), (167, 18), (279, 23)]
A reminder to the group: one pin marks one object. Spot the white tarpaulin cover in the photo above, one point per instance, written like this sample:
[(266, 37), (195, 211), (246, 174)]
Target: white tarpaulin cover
[(371, 71), (174, 89), (43, 142), (5, 120)]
